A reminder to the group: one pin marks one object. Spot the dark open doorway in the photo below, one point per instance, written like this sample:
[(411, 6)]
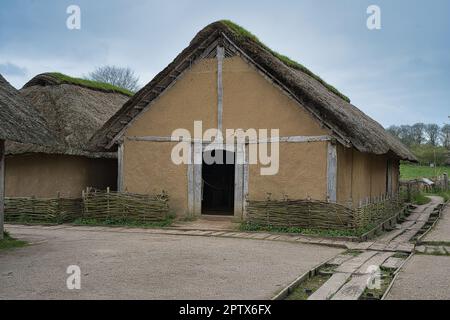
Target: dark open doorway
[(218, 183)]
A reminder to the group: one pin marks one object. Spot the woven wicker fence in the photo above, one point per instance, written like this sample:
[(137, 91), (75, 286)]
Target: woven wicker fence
[(314, 214), (95, 204), (301, 213), (107, 205), (57, 210)]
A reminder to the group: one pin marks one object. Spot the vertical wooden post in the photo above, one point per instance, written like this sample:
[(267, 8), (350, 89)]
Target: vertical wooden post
[(332, 172), (220, 57), (2, 187), (389, 177), (120, 167), (190, 180), (445, 181), (239, 181), (198, 182)]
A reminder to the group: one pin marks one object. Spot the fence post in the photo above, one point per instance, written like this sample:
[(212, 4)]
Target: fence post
[(445, 181)]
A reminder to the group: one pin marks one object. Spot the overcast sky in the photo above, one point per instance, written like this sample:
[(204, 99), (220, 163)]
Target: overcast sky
[(398, 75)]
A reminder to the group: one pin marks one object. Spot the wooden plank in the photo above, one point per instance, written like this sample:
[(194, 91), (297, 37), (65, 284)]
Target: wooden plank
[(190, 178), (354, 288), (246, 176), (2, 187), (331, 172), (220, 57), (120, 167), (239, 181), (332, 285), (288, 139), (198, 182)]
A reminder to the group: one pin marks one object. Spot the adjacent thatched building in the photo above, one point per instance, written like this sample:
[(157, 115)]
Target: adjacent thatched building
[(19, 122), (329, 149), (74, 110)]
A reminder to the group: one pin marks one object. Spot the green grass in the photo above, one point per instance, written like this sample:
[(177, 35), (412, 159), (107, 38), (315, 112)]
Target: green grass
[(387, 276), (308, 287), (420, 199), (247, 226), (9, 243), (411, 171), (443, 194), (243, 33), (124, 223), (91, 84)]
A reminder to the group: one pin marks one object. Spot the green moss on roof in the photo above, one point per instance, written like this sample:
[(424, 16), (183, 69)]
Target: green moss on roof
[(91, 84), (243, 33)]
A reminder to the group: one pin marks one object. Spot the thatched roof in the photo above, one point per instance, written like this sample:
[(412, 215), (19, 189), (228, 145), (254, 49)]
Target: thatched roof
[(19, 121), (349, 125), (72, 110)]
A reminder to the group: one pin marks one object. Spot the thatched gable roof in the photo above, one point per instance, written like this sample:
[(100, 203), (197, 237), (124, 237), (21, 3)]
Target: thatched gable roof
[(19, 121), (72, 110), (348, 124)]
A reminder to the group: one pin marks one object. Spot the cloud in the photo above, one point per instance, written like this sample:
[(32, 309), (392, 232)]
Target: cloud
[(10, 69)]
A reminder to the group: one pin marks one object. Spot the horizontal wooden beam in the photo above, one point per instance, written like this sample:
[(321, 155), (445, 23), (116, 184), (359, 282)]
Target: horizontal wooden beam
[(289, 139)]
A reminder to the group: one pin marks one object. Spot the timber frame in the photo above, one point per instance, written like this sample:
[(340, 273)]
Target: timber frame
[(220, 48), (216, 45)]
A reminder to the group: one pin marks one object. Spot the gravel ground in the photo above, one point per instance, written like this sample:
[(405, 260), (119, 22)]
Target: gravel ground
[(129, 264), (442, 230), (424, 277)]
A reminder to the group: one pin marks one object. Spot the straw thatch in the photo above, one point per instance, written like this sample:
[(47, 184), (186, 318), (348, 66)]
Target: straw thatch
[(19, 121), (347, 123), (73, 111)]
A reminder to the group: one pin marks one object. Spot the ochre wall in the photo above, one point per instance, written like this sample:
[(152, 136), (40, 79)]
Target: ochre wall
[(363, 175), (43, 175), (148, 169), (249, 101), (302, 173)]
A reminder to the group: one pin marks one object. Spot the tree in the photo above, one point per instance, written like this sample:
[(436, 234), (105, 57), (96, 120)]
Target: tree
[(417, 132), (432, 131), (445, 135), (117, 76)]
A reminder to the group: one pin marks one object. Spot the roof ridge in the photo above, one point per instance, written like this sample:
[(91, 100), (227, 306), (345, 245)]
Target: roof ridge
[(57, 78)]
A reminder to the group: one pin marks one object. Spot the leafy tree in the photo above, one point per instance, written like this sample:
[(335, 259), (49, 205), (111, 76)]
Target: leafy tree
[(432, 131)]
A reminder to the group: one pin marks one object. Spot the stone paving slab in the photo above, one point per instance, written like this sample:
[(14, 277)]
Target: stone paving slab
[(393, 263)]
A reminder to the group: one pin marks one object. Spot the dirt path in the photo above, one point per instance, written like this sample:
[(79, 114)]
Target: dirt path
[(138, 264)]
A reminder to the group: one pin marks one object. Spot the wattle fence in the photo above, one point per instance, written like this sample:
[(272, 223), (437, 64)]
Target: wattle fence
[(94, 205), (322, 215)]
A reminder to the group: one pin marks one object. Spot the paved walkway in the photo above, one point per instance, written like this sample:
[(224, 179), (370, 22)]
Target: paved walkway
[(131, 264), (427, 274), (352, 275)]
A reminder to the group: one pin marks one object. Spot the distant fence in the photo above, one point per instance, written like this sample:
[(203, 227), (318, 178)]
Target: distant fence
[(95, 204), (314, 214), (411, 188)]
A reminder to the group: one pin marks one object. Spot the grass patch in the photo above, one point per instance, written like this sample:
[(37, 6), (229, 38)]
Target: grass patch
[(411, 171), (308, 287), (353, 252), (243, 33), (248, 226), (123, 223), (91, 84), (9, 242), (443, 194), (420, 199)]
